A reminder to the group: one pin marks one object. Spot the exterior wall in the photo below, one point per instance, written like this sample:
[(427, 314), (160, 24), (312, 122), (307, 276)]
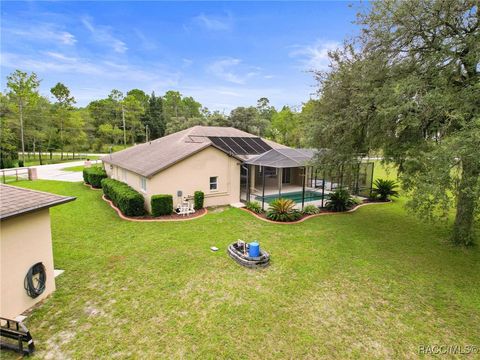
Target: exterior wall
[(24, 241), (188, 176)]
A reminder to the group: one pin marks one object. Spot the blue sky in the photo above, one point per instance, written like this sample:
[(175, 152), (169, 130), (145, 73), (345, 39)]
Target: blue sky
[(224, 54)]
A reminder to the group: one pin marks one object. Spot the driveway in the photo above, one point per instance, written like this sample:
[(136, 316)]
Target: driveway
[(55, 172)]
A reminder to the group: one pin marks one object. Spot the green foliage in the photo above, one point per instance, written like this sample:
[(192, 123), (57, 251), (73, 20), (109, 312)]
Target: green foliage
[(311, 210), (254, 206), (8, 149), (129, 201), (385, 188), (94, 176), (340, 200), (198, 198), (283, 210), (284, 127), (408, 88), (161, 204)]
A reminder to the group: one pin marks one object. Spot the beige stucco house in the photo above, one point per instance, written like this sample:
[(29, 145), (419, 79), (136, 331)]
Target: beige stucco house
[(229, 166), (25, 240), (194, 159)]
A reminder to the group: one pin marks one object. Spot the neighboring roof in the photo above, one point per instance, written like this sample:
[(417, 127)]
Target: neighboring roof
[(283, 158), (15, 201), (152, 157)]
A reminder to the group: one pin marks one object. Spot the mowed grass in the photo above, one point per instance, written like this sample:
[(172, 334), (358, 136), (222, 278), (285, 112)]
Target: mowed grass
[(376, 283)]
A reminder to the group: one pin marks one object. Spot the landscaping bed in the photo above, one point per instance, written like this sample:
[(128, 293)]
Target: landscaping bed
[(147, 217), (321, 211)]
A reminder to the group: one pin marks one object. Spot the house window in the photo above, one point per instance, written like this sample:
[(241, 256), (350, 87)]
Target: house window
[(143, 183), (286, 175), (213, 183)]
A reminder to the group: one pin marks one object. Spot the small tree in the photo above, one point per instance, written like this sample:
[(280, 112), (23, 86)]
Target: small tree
[(23, 90)]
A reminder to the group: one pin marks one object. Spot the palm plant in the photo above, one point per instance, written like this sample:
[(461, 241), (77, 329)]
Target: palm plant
[(385, 188), (340, 200), (283, 210)]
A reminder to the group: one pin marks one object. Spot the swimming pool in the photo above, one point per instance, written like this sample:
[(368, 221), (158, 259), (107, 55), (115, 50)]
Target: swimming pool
[(295, 196)]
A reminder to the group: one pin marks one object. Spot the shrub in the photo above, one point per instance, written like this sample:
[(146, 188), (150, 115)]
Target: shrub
[(311, 210), (254, 206), (283, 210), (94, 176), (340, 200), (198, 197), (20, 163), (385, 188), (129, 201), (161, 205)]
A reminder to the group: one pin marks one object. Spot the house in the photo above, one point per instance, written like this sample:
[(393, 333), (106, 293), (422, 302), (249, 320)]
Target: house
[(228, 165), (26, 258)]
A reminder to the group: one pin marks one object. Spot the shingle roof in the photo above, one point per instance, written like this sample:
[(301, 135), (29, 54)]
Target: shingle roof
[(15, 201), (152, 157), (283, 158)]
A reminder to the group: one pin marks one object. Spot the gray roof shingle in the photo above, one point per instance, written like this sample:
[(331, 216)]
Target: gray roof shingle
[(150, 158), (15, 201)]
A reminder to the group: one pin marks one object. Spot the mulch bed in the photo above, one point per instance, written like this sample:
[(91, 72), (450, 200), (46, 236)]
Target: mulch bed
[(263, 216), (149, 218)]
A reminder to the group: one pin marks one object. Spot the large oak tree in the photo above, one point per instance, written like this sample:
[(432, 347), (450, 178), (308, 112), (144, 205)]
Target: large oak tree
[(409, 86)]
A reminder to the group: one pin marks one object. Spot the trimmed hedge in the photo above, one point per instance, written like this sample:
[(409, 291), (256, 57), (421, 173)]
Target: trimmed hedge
[(129, 201), (198, 197), (161, 204), (94, 176)]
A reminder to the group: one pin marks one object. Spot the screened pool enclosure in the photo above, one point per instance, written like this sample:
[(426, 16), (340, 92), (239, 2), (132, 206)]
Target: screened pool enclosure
[(293, 174)]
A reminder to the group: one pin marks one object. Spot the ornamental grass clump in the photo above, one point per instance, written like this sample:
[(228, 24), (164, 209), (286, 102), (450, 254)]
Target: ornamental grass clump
[(311, 210), (283, 210), (254, 206)]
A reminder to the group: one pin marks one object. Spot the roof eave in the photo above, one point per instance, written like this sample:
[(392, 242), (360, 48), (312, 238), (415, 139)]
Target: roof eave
[(43, 206)]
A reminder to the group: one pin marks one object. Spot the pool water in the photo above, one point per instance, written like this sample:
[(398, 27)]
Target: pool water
[(295, 196)]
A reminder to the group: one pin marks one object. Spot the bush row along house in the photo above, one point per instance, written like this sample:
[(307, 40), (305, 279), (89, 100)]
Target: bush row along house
[(229, 166)]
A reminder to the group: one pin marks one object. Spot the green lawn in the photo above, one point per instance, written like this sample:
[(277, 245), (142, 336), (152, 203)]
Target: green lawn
[(56, 159), (376, 283)]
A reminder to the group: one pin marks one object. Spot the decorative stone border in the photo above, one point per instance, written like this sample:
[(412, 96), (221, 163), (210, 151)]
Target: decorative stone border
[(90, 186), (314, 215), (128, 218)]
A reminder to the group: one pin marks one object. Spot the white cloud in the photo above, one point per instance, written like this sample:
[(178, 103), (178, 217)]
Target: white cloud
[(97, 70), (103, 34), (228, 69), (145, 42), (215, 22), (314, 56), (44, 32)]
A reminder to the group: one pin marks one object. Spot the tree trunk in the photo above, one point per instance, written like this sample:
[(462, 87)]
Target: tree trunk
[(21, 130), (467, 199), (40, 155)]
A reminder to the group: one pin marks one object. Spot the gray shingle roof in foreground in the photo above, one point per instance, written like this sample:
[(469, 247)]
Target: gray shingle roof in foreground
[(15, 201), (283, 158), (152, 157)]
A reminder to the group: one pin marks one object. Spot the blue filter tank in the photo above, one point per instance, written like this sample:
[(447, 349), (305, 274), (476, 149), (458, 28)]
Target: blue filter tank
[(254, 249)]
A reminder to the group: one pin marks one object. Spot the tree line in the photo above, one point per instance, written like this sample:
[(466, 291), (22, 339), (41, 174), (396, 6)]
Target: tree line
[(31, 122)]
